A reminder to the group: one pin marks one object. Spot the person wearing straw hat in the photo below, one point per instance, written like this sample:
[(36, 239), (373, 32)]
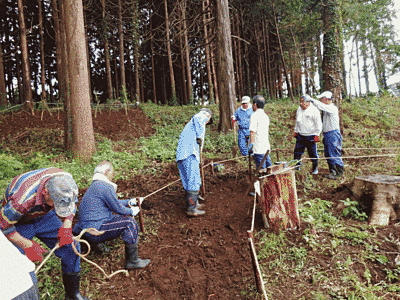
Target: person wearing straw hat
[(41, 204), (242, 117), (331, 132), (190, 145), (307, 129), (100, 209)]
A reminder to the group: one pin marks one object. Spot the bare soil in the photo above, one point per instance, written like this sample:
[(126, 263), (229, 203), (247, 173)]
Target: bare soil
[(205, 258)]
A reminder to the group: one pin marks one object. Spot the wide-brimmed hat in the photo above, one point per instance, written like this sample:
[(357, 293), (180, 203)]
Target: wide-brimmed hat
[(326, 94)]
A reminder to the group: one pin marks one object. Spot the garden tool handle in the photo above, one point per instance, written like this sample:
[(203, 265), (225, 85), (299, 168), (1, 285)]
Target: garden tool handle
[(141, 221)]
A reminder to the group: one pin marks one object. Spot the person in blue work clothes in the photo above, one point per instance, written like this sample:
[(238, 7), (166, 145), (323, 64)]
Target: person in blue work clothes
[(259, 133), (331, 132), (307, 129), (107, 218), (242, 117), (190, 145), (41, 204)]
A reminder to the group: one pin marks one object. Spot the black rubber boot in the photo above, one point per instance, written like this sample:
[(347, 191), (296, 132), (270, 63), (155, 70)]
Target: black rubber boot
[(314, 168), (71, 286), (193, 205), (100, 248), (132, 258)]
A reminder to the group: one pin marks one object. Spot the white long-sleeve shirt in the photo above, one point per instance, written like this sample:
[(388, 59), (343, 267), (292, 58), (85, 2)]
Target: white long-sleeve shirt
[(259, 124), (330, 118), (308, 121)]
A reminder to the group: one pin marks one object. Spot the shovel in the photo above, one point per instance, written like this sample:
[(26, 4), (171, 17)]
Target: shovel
[(235, 148)]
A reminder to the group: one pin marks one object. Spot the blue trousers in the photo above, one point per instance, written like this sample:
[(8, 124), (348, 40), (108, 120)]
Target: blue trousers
[(243, 138), (333, 147), (120, 226), (189, 171), (306, 142), (258, 158), (46, 229)]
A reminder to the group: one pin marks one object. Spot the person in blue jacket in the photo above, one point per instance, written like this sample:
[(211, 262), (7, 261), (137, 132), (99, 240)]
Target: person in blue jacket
[(190, 145), (107, 218), (242, 117)]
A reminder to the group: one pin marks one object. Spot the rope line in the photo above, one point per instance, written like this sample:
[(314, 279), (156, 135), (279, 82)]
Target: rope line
[(83, 256)]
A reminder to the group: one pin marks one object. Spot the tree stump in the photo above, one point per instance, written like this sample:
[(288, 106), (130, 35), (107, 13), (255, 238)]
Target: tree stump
[(380, 195), (278, 199)]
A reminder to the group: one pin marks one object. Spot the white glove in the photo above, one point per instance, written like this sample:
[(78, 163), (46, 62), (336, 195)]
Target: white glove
[(233, 117), (132, 202), (135, 210)]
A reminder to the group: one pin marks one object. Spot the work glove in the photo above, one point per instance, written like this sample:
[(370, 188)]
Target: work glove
[(35, 252), (316, 138), (295, 134), (65, 236), (250, 148), (135, 210), (199, 141)]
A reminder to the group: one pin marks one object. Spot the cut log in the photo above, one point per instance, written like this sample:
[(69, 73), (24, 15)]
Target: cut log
[(278, 200), (380, 196)]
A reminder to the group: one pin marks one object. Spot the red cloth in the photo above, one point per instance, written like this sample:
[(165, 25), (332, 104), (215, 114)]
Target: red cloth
[(280, 201)]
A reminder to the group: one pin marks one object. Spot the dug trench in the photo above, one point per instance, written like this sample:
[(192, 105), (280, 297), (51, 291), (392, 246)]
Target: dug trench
[(191, 258)]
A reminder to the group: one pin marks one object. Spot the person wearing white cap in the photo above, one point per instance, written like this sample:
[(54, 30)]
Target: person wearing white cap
[(190, 145), (307, 130), (41, 204), (331, 132), (242, 117)]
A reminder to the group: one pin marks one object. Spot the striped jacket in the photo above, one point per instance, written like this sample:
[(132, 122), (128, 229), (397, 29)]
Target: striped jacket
[(24, 199)]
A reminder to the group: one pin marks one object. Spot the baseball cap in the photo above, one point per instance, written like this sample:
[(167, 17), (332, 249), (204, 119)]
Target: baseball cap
[(305, 97), (326, 94), (63, 191), (245, 99)]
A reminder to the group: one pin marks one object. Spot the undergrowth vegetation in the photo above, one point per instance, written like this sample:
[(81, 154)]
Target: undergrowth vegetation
[(332, 247)]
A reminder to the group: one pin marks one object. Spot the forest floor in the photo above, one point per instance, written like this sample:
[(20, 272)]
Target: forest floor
[(205, 258)]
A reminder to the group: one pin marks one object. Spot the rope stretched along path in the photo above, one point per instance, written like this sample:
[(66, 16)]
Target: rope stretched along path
[(83, 256)]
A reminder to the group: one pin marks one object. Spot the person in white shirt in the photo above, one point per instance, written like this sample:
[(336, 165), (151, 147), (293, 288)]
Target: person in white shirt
[(17, 273), (306, 131), (259, 133), (331, 132)]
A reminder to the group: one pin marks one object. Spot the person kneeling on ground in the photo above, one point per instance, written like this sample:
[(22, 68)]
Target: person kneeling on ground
[(107, 218)]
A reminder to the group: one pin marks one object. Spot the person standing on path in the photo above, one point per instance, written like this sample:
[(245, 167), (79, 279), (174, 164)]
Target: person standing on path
[(331, 131), (306, 131), (259, 133), (190, 145), (112, 218), (41, 204), (242, 117)]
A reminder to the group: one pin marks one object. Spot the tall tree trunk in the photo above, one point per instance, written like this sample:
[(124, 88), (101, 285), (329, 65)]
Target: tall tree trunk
[(207, 50), (42, 60), (3, 89), (332, 42), (62, 70), (187, 54), (169, 53), (153, 65), (107, 52), (82, 125), (121, 50), (364, 54), (224, 60), (26, 72), (333, 49)]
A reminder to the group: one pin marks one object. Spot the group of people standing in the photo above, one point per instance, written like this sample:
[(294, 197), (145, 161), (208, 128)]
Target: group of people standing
[(253, 140)]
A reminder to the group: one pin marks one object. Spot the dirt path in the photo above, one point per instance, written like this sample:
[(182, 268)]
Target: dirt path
[(192, 258)]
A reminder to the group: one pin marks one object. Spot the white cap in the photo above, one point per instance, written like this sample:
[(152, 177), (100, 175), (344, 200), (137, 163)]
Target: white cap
[(326, 94), (245, 99)]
